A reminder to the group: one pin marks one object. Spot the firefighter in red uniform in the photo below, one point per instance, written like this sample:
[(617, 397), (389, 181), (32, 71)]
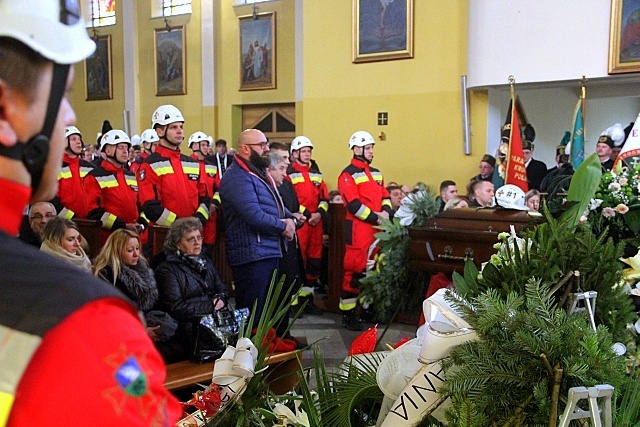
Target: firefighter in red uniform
[(367, 201), (199, 143), (73, 346), (112, 191), (149, 140), (70, 202), (312, 193), (169, 184)]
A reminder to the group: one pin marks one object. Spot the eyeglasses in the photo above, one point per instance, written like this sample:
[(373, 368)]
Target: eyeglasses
[(264, 144), (39, 217), (192, 240)]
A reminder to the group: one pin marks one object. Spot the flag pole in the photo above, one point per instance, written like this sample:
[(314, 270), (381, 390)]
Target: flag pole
[(514, 110), (583, 98)]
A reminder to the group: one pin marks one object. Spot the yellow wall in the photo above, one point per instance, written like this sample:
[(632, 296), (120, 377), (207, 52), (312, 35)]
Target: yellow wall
[(422, 95)]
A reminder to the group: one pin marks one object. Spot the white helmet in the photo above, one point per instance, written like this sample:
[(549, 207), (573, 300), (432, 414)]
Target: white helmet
[(300, 142), (360, 138), (198, 137), (149, 135), (114, 137), (166, 114), (71, 130), (53, 28), (136, 141), (511, 197)]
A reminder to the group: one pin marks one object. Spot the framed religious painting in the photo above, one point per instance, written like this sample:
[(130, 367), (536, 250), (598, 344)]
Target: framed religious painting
[(624, 37), (382, 30), (97, 67), (258, 51), (171, 61)]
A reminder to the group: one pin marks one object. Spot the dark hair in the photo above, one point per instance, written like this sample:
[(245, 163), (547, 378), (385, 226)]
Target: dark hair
[(20, 66), (278, 146), (390, 188), (221, 142), (445, 184)]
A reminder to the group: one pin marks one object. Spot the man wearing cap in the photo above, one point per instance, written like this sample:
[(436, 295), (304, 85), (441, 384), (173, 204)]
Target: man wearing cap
[(112, 190), (603, 150), (72, 344), (199, 145), (486, 166), (168, 181), (367, 201), (70, 202), (536, 170)]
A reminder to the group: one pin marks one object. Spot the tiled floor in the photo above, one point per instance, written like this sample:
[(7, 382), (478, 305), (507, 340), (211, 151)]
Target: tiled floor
[(334, 341)]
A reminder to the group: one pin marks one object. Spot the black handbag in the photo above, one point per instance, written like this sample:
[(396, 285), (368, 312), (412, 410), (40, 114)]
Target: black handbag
[(216, 331)]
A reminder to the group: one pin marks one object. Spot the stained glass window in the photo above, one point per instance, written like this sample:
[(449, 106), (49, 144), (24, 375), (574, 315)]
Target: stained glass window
[(103, 12)]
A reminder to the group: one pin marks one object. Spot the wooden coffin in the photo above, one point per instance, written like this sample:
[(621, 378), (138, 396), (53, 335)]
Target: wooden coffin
[(443, 243)]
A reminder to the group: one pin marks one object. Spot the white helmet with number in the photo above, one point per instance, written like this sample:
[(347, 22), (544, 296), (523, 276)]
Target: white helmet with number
[(71, 130), (510, 196), (166, 114), (53, 28), (300, 142), (198, 137), (360, 138), (114, 137), (149, 135)]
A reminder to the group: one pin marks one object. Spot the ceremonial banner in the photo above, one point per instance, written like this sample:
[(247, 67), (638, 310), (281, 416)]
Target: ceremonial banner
[(577, 138), (630, 154), (515, 173)]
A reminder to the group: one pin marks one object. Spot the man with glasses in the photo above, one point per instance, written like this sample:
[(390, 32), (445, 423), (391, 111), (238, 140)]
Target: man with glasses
[(39, 214), (71, 344), (257, 224)]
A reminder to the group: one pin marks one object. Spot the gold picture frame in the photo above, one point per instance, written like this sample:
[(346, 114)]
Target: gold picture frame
[(382, 32), (624, 43), (170, 57), (97, 71), (258, 51)]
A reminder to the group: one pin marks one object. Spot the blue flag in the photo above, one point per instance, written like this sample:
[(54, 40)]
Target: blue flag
[(577, 139)]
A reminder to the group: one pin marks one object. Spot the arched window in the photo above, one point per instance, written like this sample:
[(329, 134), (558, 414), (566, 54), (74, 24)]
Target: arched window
[(103, 12)]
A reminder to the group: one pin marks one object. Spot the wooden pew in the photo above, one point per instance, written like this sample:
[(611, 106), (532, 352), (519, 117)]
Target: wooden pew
[(158, 234), (337, 215), (90, 230), (185, 374)]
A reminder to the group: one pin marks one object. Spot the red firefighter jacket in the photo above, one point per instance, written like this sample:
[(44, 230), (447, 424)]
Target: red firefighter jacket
[(310, 188), (169, 187), (363, 191), (70, 202)]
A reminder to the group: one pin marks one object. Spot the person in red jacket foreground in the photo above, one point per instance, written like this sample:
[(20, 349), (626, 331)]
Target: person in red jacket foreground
[(70, 202), (112, 191), (367, 202), (73, 346)]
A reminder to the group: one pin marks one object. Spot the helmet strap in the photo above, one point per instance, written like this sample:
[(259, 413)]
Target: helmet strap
[(34, 152)]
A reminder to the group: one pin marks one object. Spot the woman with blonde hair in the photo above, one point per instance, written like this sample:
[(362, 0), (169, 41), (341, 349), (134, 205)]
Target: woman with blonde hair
[(121, 264), (61, 239)]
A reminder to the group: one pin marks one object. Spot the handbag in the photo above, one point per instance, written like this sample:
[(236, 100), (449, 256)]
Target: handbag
[(216, 331)]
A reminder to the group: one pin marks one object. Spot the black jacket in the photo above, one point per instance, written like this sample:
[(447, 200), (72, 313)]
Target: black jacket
[(185, 292)]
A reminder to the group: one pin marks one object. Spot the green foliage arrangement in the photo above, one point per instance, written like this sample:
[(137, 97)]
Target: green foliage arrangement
[(391, 285), (517, 371)]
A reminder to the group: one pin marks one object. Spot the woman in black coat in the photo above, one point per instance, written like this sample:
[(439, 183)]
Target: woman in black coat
[(189, 284)]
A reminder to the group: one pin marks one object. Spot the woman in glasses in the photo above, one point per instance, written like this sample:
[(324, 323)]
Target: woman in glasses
[(189, 284)]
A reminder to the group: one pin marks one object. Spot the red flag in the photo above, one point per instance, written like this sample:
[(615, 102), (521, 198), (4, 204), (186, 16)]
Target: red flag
[(516, 172)]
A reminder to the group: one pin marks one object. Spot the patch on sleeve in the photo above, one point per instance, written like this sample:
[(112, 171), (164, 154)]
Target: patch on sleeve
[(141, 175)]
